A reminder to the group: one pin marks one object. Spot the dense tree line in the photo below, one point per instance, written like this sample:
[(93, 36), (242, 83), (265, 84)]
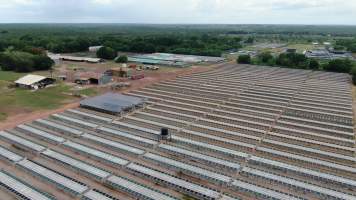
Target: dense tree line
[(347, 44), (20, 61), (195, 43), (300, 61)]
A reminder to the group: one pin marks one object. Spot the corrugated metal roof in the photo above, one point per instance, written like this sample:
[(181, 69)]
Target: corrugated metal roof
[(111, 102), (30, 79), (74, 58)]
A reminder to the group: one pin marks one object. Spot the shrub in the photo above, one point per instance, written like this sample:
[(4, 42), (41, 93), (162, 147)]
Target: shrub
[(244, 59), (122, 59), (314, 64), (353, 74), (265, 57)]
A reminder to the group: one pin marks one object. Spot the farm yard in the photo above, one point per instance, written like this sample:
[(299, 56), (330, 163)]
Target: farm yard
[(22, 102), (237, 132)]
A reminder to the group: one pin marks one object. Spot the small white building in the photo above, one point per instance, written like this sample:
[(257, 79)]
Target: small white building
[(31, 81), (94, 48)]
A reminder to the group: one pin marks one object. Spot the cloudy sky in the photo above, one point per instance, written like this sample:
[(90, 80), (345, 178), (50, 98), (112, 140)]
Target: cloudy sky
[(180, 11)]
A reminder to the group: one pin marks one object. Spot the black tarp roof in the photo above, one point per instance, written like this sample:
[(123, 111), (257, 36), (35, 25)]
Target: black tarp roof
[(112, 102)]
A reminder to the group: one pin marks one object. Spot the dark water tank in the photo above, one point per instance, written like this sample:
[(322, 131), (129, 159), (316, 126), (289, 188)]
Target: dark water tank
[(164, 131)]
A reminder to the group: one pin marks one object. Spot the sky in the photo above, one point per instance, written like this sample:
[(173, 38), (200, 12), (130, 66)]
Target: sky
[(180, 11)]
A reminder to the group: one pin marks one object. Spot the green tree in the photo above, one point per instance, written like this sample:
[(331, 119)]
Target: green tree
[(352, 48), (17, 61), (353, 74), (250, 40), (339, 65), (24, 62), (339, 47), (244, 59), (265, 57), (293, 60), (42, 62), (313, 64), (122, 59), (106, 53)]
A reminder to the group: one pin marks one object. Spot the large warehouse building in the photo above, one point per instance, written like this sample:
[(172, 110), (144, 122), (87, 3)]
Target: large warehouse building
[(113, 103)]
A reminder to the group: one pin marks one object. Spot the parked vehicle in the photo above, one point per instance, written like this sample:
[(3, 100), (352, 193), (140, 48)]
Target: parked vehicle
[(137, 76), (150, 67)]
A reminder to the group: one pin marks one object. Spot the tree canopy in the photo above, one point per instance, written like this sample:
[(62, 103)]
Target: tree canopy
[(122, 59), (106, 53), (293, 60), (314, 64), (265, 57), (24, 62), (339, 65), (244, 59)]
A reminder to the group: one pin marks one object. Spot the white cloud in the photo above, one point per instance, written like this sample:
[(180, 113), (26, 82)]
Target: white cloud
[(180, 11)]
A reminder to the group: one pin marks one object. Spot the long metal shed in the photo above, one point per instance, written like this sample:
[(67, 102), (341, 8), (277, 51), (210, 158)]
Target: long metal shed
[(20, 189), (112, 103)]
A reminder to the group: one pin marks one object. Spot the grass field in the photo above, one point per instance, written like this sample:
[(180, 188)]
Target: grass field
[(3, 116), (10, 76), (88, 92), (301, 47), (17, 100), (48, 98)]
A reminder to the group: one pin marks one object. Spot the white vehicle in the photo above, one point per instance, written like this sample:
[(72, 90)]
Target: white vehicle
[(150, 67)]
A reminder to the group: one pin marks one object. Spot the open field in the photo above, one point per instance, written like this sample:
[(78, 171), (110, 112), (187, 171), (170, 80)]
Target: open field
[(238, 132), (3, 116), (17, 101), (301, 47), (276, 49), (10, 76)]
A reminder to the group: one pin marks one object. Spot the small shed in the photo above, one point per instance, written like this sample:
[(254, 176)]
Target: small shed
[(94, 48), (31, 81), (291, 50), (120, 72), (86, 78), (113, 103)]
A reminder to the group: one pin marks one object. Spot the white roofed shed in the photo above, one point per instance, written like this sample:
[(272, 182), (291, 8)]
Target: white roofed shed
[(33, 81)]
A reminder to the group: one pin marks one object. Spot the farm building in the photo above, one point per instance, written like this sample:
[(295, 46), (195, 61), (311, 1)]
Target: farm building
[(57, 57), (150, 61), (94, 48), (113, 103), (86, 78), (291, 50), (174, 59), (327, 54), (31, 81), (81, 59), (120, 72)]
